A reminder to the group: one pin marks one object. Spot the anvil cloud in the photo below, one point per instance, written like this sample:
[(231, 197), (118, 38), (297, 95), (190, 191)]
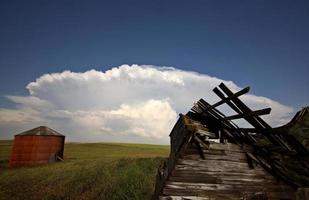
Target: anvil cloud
[(137, 103)]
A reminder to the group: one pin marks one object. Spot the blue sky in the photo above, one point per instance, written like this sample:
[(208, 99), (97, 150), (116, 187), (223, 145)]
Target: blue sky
[(259, 43)]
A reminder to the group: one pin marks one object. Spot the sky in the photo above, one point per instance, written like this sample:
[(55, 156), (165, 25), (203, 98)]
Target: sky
[(124, 70)]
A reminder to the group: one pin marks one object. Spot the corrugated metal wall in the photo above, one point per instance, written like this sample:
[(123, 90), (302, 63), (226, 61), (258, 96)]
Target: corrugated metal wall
[(31, 150)]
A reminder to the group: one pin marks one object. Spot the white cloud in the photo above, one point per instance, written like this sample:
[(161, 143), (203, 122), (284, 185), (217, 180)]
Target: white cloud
[(127, 103)]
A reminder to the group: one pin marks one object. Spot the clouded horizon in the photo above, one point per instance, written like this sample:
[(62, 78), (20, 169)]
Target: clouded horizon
[(128, 103), (262, 44)]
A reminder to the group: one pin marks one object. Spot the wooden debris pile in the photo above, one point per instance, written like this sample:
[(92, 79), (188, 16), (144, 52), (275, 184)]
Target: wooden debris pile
[(243, 163)]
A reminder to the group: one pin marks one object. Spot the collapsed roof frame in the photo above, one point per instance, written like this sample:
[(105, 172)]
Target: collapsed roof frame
[(270, 157), (243, 135)]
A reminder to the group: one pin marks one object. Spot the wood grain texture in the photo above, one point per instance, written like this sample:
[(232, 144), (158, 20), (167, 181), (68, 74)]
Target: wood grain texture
[(224, 175)]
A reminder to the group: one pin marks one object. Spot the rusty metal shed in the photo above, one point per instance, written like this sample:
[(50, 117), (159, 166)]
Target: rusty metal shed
[(40, 145)]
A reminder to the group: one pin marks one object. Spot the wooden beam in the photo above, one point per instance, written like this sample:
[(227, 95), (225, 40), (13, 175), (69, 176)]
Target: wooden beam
[(265, 111), (226, 124), (226, 99), (238, 110), (215, 113), (238, 106), (196, 108), (199, 148), (201, 142), (257, 122), (205, 133), (249, 130), (222, 96), (209, 109)]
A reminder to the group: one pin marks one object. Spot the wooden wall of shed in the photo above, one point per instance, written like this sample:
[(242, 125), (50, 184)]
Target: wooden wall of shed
[(177, 135)]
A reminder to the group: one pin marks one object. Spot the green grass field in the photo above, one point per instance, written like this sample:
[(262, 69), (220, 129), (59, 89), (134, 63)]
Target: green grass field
[(90, 171)]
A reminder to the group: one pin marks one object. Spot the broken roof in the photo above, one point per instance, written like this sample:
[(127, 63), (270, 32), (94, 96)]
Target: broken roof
[(276, 150), (279, 153)]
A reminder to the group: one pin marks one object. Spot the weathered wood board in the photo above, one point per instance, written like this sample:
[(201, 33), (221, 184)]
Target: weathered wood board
[(221, 176), (248, 163)]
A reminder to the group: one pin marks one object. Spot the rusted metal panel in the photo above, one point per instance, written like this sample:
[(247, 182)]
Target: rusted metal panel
[(35, 149)]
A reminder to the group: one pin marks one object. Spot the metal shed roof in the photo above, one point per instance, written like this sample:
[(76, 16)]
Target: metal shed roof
[(41, 130)]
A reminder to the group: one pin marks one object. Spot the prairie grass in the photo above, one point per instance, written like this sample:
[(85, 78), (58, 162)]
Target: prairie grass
[(90, 171)]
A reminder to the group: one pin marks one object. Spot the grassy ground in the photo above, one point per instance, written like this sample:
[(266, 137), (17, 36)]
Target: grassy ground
[(90, 171)]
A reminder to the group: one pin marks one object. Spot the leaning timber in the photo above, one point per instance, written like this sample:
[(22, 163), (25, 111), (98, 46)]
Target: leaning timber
[(213, 158)]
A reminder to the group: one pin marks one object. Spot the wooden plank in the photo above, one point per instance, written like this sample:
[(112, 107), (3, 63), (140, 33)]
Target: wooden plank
[(227, 124), (234, 158), (209, 195), (228, 191), (229, 187), (230, 147), (257, 122), (255, 172), (248, 181), (214, 112), (222, 96), (222, 175), (199, 148), (265, 111), (213, 168), (204, 144), (205, 133), (217, 169), (226, 195), (212, 163), (236, 108), (196, 108), (237, 94), (192, 150), (251, 130), (214, 154), (272, 196)]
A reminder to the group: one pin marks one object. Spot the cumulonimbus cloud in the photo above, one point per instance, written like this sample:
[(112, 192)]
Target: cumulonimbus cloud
[(137, 103)]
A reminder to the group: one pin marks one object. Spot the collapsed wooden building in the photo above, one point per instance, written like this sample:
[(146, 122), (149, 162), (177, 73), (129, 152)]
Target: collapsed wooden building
[(244, 163)]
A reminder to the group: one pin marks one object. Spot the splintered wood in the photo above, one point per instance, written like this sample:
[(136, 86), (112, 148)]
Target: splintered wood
[(259, 163)]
